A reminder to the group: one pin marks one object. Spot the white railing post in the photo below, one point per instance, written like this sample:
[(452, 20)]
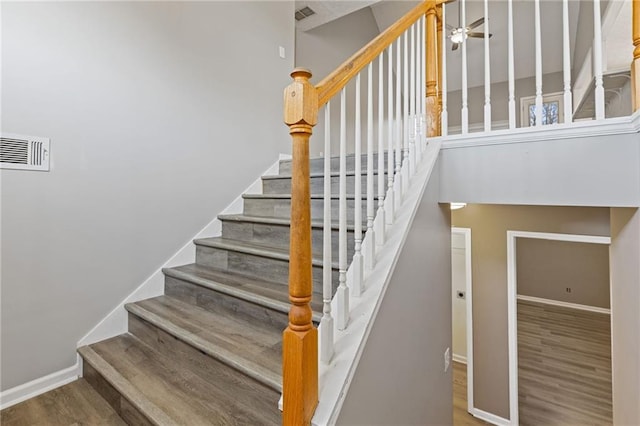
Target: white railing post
[(538, 47), (370, 253), (512, 85), (487, 70), (465, 94), (597, 60), (412, 106), (444, 116), (380, 232), (326, 323), (397, 177), (406, 119), (342, 293), (391, 176), (566, 55), (357, 234)]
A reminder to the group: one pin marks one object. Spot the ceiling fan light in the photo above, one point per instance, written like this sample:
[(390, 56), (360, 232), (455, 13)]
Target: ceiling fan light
[(457, 37)]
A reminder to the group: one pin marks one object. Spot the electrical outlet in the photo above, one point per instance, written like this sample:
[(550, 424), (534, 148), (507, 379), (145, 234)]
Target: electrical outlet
[(447, 359), (568, 289)]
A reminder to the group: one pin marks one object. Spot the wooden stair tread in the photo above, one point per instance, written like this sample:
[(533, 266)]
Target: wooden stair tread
[(256, 249), (252, 348), (287, 175), (312, 196), (178, 391), (262, 292), (76, 403), (284, 221)]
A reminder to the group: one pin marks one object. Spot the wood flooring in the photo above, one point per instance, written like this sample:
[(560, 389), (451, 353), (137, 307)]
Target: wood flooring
[(564, 366), (74, 404), (460, 415)]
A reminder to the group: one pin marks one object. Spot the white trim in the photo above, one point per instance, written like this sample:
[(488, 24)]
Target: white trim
[(490, 418), (564, 304), (469, 314), (40, 385), (461, 359), (479, 127), (115, 322), (512, 301), (335, 378), (555, 132)]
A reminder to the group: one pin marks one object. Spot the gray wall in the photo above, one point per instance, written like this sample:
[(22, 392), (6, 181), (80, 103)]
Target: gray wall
[(400, 379), (546, 268), (587, 170), (489, 225), (150, 106), (322, 50), (524, 87), (625, 318)]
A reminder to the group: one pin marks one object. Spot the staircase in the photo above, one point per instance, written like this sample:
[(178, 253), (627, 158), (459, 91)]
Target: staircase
[(208, 351)]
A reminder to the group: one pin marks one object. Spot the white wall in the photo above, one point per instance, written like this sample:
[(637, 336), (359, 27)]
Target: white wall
[(544, 169), (159, 114), (400, 379), (625, 316)]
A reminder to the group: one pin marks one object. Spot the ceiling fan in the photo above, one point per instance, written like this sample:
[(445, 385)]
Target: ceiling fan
[(457, 35)]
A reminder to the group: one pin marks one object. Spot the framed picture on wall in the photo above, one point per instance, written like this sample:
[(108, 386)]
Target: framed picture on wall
[(552, 109)]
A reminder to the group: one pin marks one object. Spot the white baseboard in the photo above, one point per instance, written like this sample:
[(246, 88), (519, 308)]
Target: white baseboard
[(39, 386), (490, 418), (459, 358), (115, 322), (564, 304)]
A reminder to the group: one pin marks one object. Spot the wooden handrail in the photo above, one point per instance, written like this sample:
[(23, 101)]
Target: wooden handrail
[(334, 82)]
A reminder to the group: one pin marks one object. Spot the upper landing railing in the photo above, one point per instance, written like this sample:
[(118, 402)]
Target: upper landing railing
[(400, 100)]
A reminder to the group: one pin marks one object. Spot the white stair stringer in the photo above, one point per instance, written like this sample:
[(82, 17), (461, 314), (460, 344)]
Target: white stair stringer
[(335, 377)]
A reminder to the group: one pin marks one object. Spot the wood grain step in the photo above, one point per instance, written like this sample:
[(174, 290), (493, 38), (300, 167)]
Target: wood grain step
[(248, 346), (231, 294), (281, 184), (170, 391), (316, 165), (253, 259), (279, 205)]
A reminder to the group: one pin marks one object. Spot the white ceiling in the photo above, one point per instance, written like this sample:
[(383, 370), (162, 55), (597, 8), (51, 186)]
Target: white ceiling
[(617, 40)]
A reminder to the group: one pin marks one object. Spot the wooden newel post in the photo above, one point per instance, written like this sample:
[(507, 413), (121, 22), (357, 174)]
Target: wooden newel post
[(635, 65), (432, 72), (300, 339)]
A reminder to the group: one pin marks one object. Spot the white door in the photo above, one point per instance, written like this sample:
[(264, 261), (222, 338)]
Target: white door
[(458, 297)]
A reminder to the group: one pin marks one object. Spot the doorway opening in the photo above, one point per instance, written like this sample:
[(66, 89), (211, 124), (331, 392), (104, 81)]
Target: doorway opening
[(559, 328)]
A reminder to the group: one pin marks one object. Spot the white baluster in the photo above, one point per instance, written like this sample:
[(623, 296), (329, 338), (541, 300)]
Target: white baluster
[(511, 60), (395, 184), (411, 123), (487, 71), (380, 215), (465, 92), (391, 195), (406, 119), (342, 293), (444, 116), (370, 250), (597, 60), (538, 48), (326, 323), (566, 53), (357, 255)]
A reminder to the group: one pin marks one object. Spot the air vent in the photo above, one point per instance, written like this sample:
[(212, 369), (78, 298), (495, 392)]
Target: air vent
[(305, 12), (24, 152)]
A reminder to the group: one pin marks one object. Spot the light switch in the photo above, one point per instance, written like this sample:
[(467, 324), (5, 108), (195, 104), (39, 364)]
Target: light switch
[(282, 53)]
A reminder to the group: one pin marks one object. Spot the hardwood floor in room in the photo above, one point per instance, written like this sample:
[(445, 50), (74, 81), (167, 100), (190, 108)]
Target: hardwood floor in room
[(74, 404), (564, 366), (460, 415)]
